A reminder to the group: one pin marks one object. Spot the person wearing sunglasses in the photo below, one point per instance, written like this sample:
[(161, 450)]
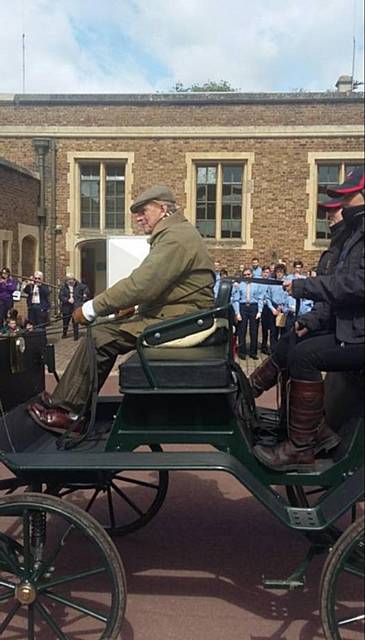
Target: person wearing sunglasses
[(38, 304)]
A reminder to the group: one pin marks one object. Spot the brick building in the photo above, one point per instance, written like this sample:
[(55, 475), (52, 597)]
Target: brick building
[(19, 231), (247, 169)]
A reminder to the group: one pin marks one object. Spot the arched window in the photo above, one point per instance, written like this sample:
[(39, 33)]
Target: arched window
[(28, 256)]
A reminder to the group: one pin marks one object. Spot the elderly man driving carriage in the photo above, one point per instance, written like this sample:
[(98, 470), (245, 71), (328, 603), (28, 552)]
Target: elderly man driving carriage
[(330, 338), (176, 278)]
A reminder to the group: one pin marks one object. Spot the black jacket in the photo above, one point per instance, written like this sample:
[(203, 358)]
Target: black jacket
[(80, 293), (43, 295), (320, 318), (343, 289)]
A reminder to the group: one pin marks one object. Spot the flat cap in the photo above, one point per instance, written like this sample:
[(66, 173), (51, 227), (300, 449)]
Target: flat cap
[(157, 192)]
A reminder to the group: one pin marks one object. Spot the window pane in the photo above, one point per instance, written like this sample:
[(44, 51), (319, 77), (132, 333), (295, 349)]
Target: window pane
[(201, 193), (327, 174), (114, 196), (232, 173), (350, 166), (232, 201), (114, 172), (90, 171), (206, 228), (90, 196), (206, 199), (212, 175)]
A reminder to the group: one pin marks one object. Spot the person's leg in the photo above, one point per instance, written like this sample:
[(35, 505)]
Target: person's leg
[(2, 312), (307, 430), (75, 326), (252, 313), (73, 390), (266, 375), (265, 326), (242, 351), (324, 353), (274, 336), (66, 315), (37, 315)]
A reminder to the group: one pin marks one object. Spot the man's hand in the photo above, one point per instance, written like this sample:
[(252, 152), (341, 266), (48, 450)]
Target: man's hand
[(126, 313), (238, 317), (79, 317), (288, 286), (300, 331), (258, 315), (274, 312)]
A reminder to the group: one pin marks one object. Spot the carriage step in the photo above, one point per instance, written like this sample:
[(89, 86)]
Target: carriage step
[(285, 585)]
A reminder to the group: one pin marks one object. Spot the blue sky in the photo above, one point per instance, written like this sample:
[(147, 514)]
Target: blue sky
[(123, 46)]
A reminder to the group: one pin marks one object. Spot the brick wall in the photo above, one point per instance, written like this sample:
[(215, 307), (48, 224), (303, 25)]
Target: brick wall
[(280, 169), (276, 112), (18, 204)]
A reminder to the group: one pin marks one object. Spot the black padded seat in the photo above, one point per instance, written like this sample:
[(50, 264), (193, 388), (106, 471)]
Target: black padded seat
[(205, 367)]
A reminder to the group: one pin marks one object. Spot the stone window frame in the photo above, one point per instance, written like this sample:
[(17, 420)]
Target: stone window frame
[(75, 159), (314, 157), (75, 235), (247, 159), (6, 236)]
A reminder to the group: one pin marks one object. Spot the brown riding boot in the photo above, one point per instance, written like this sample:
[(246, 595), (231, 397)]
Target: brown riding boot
[(305, 415), (264, 377), (326, 439)]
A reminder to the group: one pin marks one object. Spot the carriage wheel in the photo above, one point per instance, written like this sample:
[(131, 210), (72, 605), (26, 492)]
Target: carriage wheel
[(342, 586), (60, 574), (124, 501)]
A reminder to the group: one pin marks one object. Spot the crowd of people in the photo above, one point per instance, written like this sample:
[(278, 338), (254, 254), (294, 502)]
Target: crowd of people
[(71, 295), (258, 304)]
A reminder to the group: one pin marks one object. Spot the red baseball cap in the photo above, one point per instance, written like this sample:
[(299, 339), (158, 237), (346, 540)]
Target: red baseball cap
[(335, 203), (354, 181)]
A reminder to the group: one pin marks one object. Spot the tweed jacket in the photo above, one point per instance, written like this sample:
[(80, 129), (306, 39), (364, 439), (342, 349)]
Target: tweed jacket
[(176, 278)]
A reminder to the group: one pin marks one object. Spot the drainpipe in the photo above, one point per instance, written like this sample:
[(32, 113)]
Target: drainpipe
[(41, 146), (53, 223)]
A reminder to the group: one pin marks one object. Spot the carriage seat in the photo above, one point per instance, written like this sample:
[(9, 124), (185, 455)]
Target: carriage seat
[(191, 352)]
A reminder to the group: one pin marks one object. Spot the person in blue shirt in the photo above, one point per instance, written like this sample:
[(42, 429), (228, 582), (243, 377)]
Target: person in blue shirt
[(248, 300), (218, 279), (266, 323), (304, 305), (217, 273), (255, 268), (277, 302)]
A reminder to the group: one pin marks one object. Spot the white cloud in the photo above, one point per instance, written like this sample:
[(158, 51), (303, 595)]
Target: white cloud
[(78, 46)]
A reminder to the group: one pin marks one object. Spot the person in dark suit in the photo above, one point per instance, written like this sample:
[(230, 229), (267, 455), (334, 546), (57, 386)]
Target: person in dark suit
[(72, 295), (37, 293)]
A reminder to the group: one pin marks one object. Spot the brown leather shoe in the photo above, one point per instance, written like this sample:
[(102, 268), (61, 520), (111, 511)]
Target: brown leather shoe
[(326, 439), (55, 420), (286, 457), (45, 399)]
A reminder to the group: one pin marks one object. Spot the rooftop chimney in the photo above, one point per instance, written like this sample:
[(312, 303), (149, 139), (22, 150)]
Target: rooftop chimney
[(344, 84)]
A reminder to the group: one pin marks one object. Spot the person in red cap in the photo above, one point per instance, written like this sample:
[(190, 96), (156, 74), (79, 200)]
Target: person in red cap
[(340, 348)]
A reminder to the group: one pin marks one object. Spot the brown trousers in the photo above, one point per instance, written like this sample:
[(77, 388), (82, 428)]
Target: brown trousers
[(74, 389)]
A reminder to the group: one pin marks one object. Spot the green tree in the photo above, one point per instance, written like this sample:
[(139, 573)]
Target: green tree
[(210, 85)]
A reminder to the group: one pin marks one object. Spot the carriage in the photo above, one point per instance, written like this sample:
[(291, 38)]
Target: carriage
[(177, 389)]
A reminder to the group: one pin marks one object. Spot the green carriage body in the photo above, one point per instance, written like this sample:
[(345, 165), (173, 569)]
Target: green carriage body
[(186, 397)]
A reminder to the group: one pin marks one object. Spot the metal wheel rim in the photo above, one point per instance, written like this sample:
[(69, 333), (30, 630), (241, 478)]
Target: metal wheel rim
[(159, 488), (77, 521), (332, 572)]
